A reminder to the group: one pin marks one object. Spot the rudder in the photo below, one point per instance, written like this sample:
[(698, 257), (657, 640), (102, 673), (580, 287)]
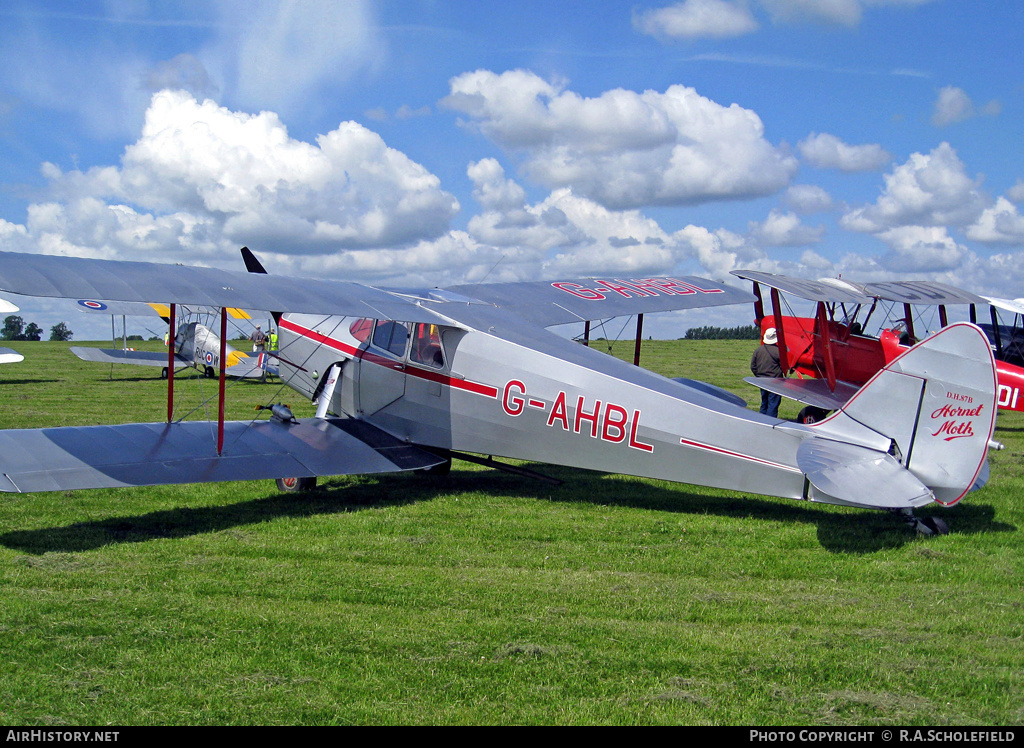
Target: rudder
[(936, 404)]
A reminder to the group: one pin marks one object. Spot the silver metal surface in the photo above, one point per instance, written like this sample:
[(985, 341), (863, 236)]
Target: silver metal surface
[(144, 454), (810, 290)]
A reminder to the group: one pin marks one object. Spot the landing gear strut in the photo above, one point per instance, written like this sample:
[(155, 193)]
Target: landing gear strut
[(924, 526)]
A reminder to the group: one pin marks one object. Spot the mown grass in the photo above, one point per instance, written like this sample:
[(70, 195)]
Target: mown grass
[(487, 598)]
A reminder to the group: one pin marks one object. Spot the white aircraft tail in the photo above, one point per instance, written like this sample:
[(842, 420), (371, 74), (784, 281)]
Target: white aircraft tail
[(918, 431)]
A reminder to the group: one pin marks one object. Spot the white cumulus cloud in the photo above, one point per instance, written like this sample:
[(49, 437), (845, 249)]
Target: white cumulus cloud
[(1000, 224), (826, 151), (928, 190), (624, 149), (921, 249), (954, 105), (808, 198), (202, 179), (785, 230)]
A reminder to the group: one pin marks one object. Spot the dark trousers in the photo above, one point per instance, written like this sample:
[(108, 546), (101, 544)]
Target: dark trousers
[(770, 403)]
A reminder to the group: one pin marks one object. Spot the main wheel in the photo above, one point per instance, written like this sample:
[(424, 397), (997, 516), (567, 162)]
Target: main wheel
[(296, 485), (811, 415), (163, 373)]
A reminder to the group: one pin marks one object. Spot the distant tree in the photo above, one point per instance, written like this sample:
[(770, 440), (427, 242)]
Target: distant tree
[(13, 326), (33, 332), (60, 331), (746, 332)]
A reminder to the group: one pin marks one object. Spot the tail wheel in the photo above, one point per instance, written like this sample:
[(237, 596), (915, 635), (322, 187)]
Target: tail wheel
[(296, 485), (437, 471), (932, 526)]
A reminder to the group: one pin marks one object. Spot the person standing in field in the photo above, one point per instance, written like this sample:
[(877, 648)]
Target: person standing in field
[(765, 363)]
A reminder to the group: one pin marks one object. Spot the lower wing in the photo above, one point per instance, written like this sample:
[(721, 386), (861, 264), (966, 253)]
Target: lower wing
[(150, 454), (119, 356)]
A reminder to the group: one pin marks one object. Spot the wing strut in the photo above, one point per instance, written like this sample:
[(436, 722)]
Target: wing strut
[(825, 336), (223, 377), (170, 367), (639, 334), (780, 331)]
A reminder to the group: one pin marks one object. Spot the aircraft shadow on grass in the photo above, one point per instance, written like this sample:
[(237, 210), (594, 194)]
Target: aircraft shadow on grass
[(839, 530), (32, 382)]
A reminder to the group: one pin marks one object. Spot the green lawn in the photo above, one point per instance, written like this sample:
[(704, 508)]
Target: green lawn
[(484, 598)]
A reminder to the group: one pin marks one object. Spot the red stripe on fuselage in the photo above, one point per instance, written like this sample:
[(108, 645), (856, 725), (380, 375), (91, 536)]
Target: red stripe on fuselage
[(374, 358), (730, 453)]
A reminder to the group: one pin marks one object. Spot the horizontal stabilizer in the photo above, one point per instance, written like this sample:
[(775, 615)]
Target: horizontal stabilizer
[(814, 392), (860, 476), (149, 454), (247, 368), (119, 356), (710, 389)]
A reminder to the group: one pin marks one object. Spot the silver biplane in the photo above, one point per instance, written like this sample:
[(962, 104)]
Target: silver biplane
[(404, 380), (195, 344)]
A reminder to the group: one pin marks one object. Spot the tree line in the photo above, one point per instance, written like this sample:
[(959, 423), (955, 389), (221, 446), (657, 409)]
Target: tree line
[(708, 332), (15, 329)]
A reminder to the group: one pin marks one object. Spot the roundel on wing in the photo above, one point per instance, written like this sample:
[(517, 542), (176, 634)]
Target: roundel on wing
[(97, 306)]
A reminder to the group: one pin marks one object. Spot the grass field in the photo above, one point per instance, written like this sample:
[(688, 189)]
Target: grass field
[(483, 598)]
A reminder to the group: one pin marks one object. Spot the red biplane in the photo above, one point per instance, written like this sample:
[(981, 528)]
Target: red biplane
[(832, 353)]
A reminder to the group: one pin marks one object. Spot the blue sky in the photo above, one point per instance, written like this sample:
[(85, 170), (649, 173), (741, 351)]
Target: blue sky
[(428, 142)]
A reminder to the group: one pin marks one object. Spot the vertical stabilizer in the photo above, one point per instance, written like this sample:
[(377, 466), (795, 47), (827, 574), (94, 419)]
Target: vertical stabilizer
[(935, 406)]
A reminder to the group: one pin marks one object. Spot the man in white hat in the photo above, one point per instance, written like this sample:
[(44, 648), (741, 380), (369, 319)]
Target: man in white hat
[(765, 363)]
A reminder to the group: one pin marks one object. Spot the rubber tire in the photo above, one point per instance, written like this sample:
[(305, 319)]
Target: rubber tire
[(209, 373), (810, 415), (163, 373), (295, 485)]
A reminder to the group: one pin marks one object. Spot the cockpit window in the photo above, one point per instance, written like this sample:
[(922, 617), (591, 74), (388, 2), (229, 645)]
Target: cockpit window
[(360, 329), (426, 346), (391, 336)]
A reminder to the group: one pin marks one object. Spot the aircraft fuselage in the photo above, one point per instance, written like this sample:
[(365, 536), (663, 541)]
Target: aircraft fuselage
[(483, 394)]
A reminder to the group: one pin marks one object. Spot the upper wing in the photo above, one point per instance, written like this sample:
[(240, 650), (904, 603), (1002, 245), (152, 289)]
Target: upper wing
[(922, 292), (1015, 306), (151, 454), (141, 309), (81, 278), (119, 308), (559, 302), (832, 290)]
